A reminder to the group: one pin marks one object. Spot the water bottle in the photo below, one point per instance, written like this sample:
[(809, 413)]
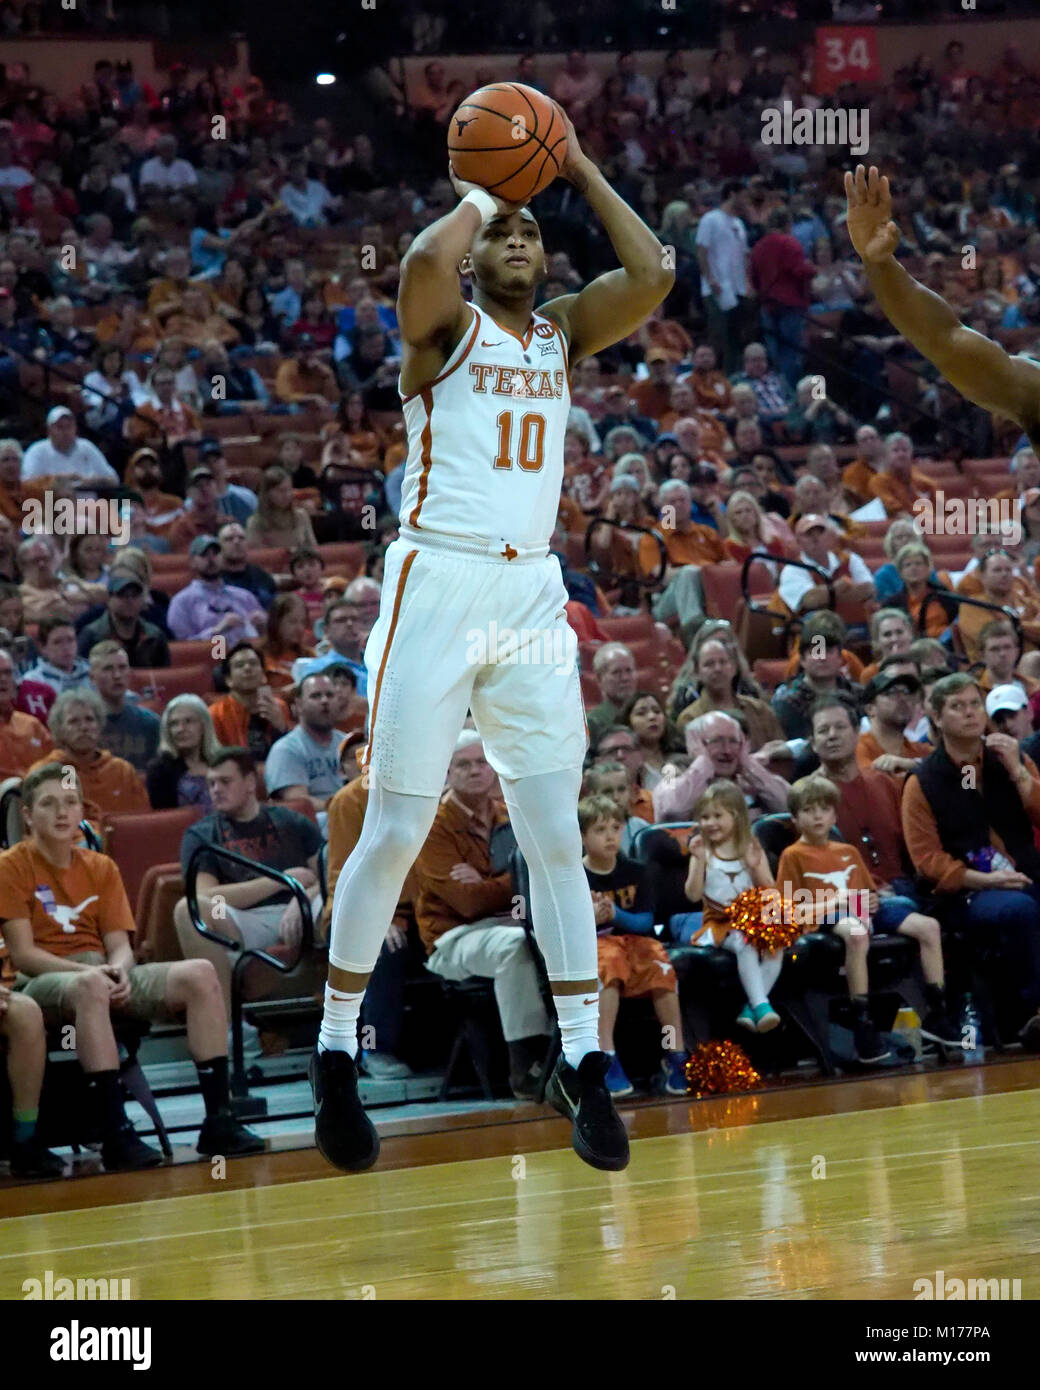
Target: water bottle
[(908, 1027), (971, 1034)]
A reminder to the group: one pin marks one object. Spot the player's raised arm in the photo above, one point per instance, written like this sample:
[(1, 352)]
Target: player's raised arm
[(615, 304), (430, 305), (979, 369)]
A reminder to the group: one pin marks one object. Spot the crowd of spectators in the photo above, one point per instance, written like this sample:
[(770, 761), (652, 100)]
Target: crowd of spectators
[(207, 329)]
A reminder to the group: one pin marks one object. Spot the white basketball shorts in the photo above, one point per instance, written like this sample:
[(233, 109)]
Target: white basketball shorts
[(457, 632)]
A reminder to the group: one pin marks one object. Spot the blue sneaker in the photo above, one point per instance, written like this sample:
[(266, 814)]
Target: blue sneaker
[(746, 1019), (674, 1068), (617, 1082), (766, 1017)]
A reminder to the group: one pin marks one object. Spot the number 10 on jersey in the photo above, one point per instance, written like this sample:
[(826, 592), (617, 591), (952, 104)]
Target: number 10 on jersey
[(530, 447)]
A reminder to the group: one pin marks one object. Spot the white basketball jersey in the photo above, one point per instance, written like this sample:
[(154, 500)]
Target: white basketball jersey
[(485, 437)]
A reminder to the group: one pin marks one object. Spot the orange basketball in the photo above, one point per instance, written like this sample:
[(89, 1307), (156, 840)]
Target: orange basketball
[(509, 139)]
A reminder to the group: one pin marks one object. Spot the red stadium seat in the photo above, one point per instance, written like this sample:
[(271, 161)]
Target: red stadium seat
[(769, 673), (628, 629), (346, 556), (164, 683), (172, 581), (137, 842), (190, 653)]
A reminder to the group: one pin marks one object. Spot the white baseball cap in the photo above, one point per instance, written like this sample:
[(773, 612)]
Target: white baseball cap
[(1008, 698), (58, 412)]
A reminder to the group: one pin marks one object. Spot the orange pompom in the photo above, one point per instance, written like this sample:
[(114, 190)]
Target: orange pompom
[(718, 1067), (765, 918)]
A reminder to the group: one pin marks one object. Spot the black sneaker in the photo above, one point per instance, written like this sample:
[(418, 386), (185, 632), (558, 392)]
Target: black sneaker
[(30, 1159), (939, 1028), (345, 1136), (869, 1046), (128, 1151), (222, 1134), (580, 1094)]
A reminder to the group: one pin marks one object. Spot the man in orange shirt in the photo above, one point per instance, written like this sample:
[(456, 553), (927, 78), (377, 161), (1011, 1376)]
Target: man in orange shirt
[(972, 839), (464, 909), (67, 928), (110, 785), (250, 715), (857, 477), (619, 743), (898, 483), (654, 391), (710, 386), (144, 475), (893, 702), (305, 379), (23, 739), (999, 652), (688, 546)]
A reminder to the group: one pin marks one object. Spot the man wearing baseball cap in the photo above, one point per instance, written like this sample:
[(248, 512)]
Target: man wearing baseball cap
[(850, 578), (653, 394), (233, 502), (145, 645), (62, 454), (304, 379), (892, 701), (1008, 710), (210, 607), (201, 515)]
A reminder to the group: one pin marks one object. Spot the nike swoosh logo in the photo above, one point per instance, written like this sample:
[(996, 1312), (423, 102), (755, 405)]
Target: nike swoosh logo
[(486, 344), (563, 1093), (340, 998), (593, 1000)]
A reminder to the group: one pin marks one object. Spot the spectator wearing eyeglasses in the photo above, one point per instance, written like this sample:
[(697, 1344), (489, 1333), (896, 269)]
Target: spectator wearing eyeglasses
[(719, 750), (892, 701)]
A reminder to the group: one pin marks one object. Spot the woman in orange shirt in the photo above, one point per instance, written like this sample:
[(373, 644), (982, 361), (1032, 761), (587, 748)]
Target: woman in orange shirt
[(914, 564)]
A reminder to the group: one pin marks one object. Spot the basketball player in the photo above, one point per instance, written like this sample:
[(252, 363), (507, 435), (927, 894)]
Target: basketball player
[(980, 369), (485, 391)]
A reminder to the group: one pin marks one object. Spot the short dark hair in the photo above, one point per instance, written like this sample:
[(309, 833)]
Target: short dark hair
[(826, 702), (898, 659), (242, 646), (779, 218), (51, 624), (731, 186), (241, 757), (304, 553)]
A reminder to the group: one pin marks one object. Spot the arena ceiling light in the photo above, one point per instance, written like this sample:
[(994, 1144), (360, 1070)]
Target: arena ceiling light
[(325, 79)]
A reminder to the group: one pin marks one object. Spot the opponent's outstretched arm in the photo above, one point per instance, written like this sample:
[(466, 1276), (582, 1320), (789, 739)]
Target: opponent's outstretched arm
[(613, 305), (980, 369)]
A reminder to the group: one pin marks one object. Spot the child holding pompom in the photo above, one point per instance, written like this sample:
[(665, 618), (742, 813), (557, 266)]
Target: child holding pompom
[(726, 859)]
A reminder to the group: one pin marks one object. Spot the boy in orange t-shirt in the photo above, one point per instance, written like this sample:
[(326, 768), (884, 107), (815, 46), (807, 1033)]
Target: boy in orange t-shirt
[(845, 899), (67, 928)]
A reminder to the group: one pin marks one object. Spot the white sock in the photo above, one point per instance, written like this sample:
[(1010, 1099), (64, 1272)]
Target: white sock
[(339, 1022), (579, 1025)]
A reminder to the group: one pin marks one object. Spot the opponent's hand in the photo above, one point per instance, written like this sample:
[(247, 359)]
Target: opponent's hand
[(871, 229), (461, 187)]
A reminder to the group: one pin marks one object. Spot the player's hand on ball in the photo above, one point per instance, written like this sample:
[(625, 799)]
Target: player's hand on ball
[(461, 187), (871, 229), (575, 157)]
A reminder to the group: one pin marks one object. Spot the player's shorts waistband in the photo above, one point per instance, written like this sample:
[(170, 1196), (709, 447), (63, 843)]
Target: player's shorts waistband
[(500, 549)]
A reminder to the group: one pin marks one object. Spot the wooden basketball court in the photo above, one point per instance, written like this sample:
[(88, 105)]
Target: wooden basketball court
[(849, 1190)]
